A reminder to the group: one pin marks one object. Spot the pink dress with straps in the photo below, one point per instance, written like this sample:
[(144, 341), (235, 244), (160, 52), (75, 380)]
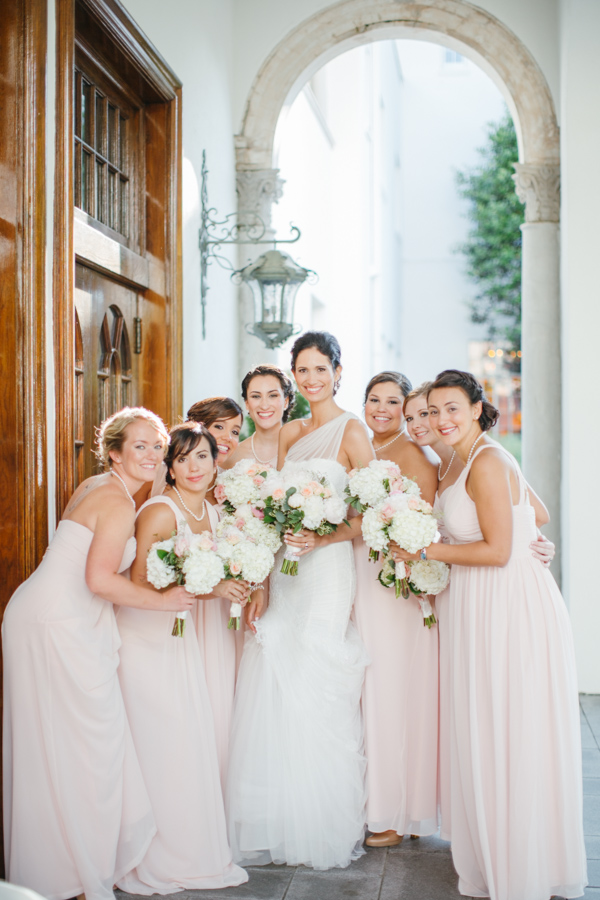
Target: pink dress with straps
[(515, 751)]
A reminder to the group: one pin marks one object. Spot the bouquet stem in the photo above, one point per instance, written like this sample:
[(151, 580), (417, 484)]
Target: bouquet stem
[(374, 556), (429, 618), (235, 612), (289, 565), (179, 625)]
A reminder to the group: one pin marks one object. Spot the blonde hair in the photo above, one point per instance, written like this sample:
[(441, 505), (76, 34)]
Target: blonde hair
[(111, 434), (418, 392)]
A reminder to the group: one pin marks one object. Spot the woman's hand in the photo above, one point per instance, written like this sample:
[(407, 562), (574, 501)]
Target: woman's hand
[(543, 549), (255, 608), (232, 590), (399, 554), (303, 541), (176, 599)]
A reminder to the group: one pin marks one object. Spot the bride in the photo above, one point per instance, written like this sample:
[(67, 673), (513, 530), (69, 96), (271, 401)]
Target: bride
[(295, 790)]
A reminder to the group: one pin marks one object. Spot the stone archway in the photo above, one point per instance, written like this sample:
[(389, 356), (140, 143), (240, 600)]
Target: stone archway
[(485, 40)]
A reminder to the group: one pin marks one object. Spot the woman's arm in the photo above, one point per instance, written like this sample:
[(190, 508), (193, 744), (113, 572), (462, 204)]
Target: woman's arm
[(492, 492), (287, 436), (356, 450), (414, 464), (114, 525)]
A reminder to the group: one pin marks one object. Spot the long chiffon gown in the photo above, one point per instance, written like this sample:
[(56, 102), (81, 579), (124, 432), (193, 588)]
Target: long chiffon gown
[(218, 646), (296, 790), (399, 704), (442, 609), (76, 812), (516, 789), (166, 698)]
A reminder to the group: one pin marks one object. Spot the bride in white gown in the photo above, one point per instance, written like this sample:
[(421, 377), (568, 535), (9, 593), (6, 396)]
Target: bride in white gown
[(296, 786)]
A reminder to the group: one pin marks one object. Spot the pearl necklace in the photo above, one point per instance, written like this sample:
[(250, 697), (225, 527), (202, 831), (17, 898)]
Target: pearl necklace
[(116, 474), (473, 447), (188, 510), (263, 462), (440, 476), (383, 446)]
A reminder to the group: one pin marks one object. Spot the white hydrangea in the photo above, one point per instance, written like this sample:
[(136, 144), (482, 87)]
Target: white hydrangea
[(334, 509), (203, 569), (158, 573), (373, 530), (314, 512), (412, 530), (410, 487), (257, 561), (429, 576), (367, 484)]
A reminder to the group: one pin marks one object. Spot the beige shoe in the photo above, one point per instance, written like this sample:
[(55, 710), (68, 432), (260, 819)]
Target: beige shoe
[(384, 839)]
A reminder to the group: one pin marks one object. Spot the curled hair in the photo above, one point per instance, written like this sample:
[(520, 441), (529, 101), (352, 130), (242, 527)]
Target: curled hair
[(112, 432), (401, 381), (420, 391), (322, 341), (469, 385), (184, 439), (286, 385), (213, 408)]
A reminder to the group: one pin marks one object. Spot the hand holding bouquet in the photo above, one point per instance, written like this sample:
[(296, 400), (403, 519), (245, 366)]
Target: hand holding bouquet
[(300, 498), (244, 558), (188, 559)]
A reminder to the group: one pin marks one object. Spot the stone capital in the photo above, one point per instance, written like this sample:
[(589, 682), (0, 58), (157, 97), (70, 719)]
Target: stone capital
[(538, 187), (258, 190)]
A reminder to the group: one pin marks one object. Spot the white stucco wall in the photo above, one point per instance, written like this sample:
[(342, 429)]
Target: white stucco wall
[(195, 38), (580, 232)]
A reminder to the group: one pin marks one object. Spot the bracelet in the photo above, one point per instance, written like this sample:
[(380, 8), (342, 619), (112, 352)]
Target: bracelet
[(424, 553), (258, 587)]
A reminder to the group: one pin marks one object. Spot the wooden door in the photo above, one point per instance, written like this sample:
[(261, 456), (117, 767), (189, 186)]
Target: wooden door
[(120, 319)]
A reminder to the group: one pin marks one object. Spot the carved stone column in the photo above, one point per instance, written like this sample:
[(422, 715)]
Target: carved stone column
[(539, 188), (257, 190)]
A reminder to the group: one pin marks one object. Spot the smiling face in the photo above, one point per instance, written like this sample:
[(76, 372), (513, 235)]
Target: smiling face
[(417, 421), (266, 401), (226, 433), (452, 416), (383, 408), (194, 471), (315, 376), (142, 451)]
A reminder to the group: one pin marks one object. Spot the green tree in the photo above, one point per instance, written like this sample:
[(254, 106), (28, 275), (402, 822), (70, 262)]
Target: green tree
[(493, 246)]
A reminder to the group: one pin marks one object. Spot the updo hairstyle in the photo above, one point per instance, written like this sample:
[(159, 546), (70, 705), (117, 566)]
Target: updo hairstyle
[(474, 391), (286, 385), (112, 432), (404, 384), (325, 343), (213, 408), (184, 439), (420, 391)]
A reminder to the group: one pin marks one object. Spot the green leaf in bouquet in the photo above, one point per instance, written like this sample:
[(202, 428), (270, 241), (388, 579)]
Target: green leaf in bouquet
[(290, 491), (162, 554), (280, 516), (268, 518)]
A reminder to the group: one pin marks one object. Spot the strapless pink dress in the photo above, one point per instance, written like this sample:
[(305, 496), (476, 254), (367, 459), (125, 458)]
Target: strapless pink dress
[(515, 749), (76, 812)]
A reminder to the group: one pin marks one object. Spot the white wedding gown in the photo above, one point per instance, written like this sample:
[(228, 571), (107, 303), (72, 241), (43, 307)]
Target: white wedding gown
[(296, 783)]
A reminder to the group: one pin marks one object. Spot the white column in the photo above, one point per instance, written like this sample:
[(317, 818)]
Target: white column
[(258, 190), (539, 188)]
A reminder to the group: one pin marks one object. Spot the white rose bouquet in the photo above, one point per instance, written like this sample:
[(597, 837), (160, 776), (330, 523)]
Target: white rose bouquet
[(243, 558), (242, 484), (422, 577), (188, 559), (300, 498)]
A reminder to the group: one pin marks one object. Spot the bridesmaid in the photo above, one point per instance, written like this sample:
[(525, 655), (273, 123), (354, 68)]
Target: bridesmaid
[(400, 694), (269, 397), (516, 795), (166, 698), (220, 647), (76, 813)]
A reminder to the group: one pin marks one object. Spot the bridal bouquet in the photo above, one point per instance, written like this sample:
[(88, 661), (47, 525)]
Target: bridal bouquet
[(300, 498), (188, 559), (424, 576), (243, 558)]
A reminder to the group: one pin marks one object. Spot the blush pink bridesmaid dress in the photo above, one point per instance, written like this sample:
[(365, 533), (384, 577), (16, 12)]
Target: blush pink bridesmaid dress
[(76, 812), (516, 786), (442, 602), (168, 706), (399, 705)]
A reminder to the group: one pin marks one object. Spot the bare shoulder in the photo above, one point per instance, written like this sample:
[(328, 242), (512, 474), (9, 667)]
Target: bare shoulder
[(158, 516), (291, 431), (413, 455), (356, 429), (492, 463)]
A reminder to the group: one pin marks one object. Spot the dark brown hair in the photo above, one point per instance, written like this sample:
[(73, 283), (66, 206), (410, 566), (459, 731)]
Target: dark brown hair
[(286, 385), (184, 439), (397, 378), (469, 385), (213, 408)]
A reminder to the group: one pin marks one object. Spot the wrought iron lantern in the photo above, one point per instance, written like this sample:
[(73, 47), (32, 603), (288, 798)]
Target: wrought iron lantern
[(274, 279)]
